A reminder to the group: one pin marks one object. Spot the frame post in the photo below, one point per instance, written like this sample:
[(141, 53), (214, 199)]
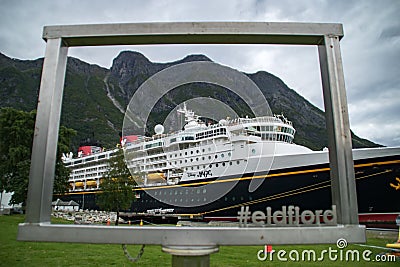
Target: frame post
[(44, 148), (339, 136)]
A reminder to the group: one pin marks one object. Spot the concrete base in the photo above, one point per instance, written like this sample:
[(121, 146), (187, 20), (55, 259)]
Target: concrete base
[(197, 256)]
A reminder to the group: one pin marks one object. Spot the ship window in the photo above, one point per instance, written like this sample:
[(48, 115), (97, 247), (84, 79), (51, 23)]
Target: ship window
[(191, 160), (230, 162), (233, 198), (198, 191), (238, 162), (198, 167), (176, 192), (209, 157), (250, 198), (191, 152), (216, 156), (192, 168), (197, 151), (253, 151), (204, 191), (216, 164), (226, 199), (185, 160), (222, 155), (186, 153), (203, 158), (210, 166), (203, 150), (223, 164)]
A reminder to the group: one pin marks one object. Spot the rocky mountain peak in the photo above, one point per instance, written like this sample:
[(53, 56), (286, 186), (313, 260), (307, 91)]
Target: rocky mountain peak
[(95, 97), (194, 57), (130, 64)]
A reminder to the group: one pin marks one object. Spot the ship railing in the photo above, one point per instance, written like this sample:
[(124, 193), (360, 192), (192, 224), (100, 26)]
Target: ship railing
[(276, 119), (267, 119)]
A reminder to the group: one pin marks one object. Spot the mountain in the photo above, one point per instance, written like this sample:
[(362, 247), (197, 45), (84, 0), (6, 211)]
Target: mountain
[(95, 98)]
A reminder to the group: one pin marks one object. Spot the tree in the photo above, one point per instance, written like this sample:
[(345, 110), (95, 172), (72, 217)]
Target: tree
[(62, 173), (117, 186), (16, 137)]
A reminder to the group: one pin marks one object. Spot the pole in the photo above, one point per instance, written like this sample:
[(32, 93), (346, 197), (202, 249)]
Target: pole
[(196, 256)]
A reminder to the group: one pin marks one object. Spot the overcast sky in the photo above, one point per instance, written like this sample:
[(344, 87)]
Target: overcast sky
[(370, 47)]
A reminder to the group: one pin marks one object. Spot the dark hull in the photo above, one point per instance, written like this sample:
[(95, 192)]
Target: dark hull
[(306, 187)]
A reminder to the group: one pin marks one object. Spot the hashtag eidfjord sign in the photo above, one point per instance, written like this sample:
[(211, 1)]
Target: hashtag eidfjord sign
[(243, 216)]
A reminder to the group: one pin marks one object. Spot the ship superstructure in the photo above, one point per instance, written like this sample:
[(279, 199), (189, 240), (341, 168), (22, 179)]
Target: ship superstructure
[(88, 168), (227, 148)]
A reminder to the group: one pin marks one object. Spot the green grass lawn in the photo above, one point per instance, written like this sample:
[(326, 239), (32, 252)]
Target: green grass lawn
[(16, 253)]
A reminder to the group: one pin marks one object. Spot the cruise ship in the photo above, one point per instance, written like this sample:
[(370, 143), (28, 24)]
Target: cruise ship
[(211, 170)]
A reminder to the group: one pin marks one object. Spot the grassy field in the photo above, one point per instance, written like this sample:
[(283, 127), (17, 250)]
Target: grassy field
[(15, 253)]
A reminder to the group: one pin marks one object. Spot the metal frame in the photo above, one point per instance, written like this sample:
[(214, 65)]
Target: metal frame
[(37, 225)]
